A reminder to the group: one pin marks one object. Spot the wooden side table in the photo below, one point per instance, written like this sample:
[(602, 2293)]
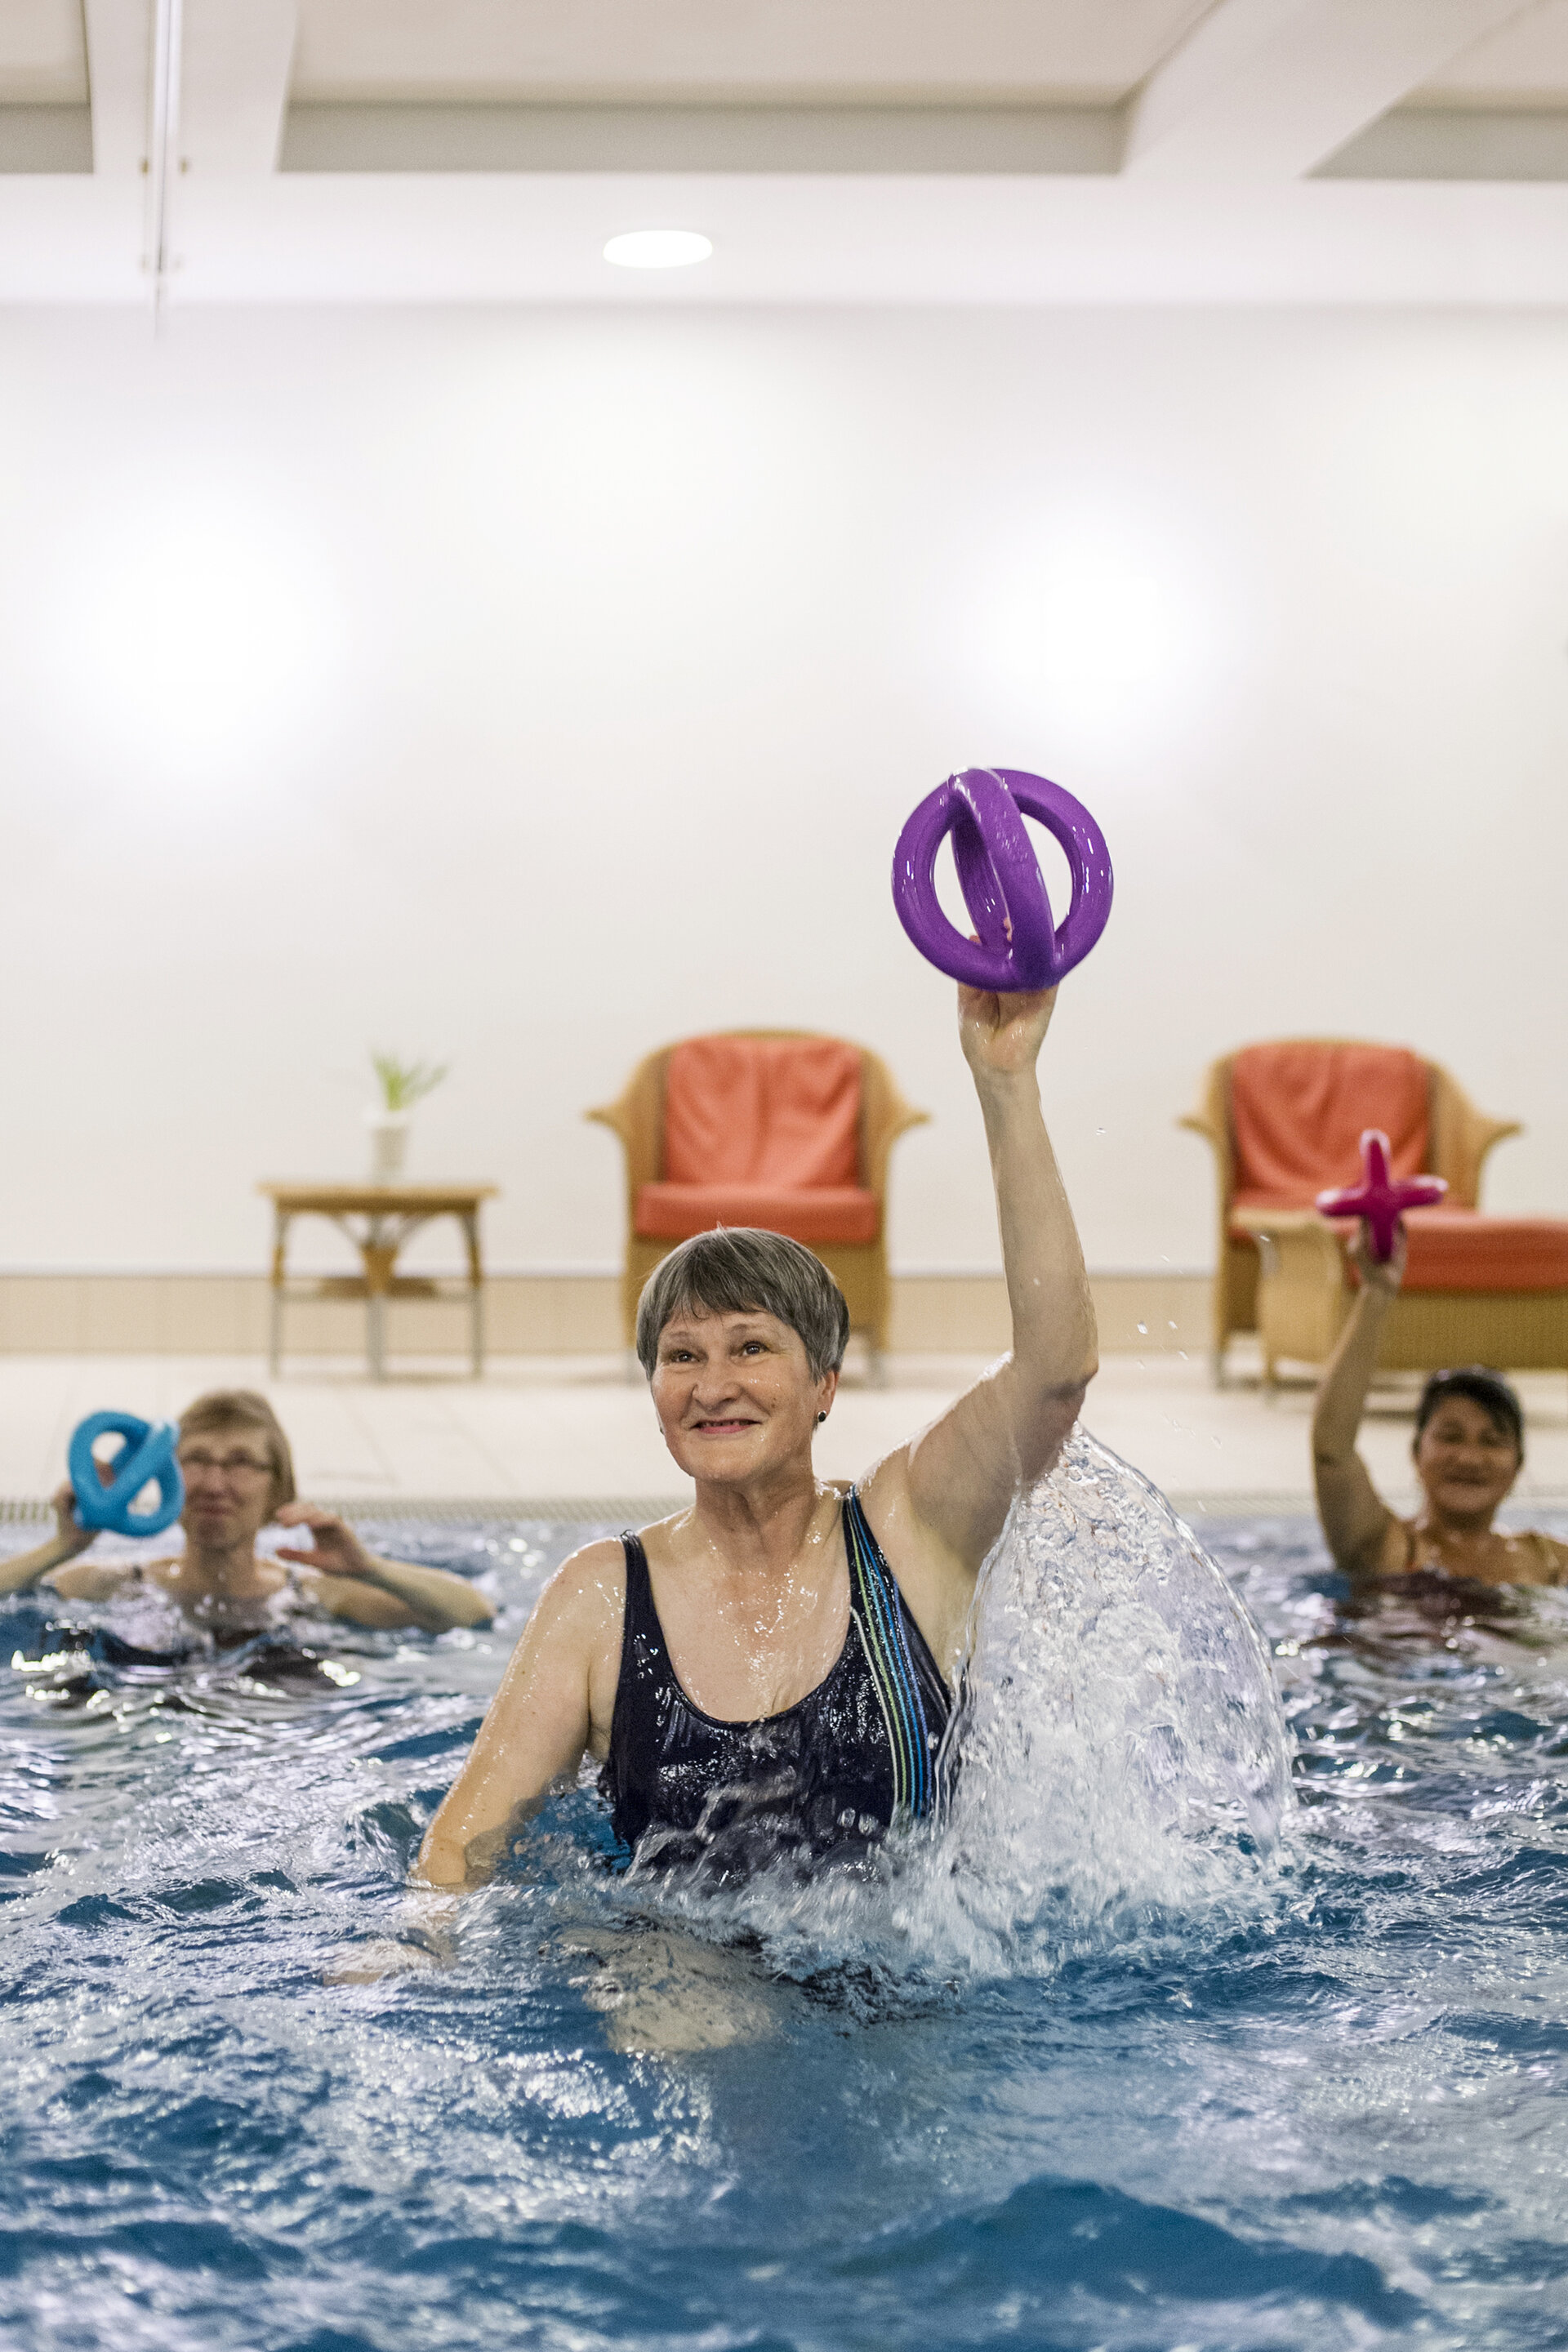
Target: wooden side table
[(378, 1219)]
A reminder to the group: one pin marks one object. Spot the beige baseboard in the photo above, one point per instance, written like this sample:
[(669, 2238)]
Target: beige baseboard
[(525, 1314)]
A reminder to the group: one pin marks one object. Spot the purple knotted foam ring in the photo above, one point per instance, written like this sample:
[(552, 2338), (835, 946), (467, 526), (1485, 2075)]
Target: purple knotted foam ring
[(1020, 947)]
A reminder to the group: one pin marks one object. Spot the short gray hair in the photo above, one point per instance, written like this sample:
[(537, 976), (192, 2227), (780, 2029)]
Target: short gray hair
[(735, 1269)]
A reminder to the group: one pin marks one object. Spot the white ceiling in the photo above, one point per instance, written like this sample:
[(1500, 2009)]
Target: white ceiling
[(1522, 64), (1091, 52), (1064, 52), (43, 53), (872, 149), (1082, 52)]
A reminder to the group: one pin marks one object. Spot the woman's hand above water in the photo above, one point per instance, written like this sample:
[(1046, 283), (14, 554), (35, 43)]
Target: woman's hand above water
[(1381, 1277), (69, 1538), (349, 1582), (1002, 1035)]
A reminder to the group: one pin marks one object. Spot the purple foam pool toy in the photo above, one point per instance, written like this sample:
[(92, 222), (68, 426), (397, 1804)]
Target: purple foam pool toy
[(1019, 945), (1380, 1200)]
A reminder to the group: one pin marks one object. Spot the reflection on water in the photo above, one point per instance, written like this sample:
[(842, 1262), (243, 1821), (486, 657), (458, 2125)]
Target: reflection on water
[(1133, 2053)]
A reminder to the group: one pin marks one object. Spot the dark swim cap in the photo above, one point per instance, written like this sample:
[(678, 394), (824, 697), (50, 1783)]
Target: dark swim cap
[(1486, 1389)]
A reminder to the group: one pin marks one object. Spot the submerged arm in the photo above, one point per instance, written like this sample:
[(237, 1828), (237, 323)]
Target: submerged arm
[(963, 1470), (1357, 1523), (538, 1724)]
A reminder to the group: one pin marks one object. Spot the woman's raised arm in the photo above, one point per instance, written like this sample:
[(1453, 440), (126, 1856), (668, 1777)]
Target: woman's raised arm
[(1356, 1520), (962, 1473)]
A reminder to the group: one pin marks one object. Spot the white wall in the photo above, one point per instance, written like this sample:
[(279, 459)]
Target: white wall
[(528, 690)]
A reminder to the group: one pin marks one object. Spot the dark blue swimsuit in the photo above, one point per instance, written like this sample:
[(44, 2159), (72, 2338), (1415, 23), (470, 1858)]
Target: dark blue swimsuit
[(826, 1778)]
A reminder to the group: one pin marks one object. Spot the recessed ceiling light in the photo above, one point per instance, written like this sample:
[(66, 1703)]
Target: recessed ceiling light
[(659, 248)]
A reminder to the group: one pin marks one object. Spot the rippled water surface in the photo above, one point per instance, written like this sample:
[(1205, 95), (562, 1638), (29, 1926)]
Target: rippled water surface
[(1306, 2098)]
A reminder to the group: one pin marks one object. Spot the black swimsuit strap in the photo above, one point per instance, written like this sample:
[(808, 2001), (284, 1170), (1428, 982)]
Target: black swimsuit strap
[(641, 1623), (895, 1654)]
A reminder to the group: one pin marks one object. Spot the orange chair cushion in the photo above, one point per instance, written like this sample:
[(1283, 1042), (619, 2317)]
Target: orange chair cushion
[(820, 1212), (763, 1110), (761, 1131), (1461, 1249), (1297, 1112)]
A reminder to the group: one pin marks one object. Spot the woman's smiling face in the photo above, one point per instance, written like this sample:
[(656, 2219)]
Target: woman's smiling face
[(230, 1485), (735, 1394), (1466, 1459)]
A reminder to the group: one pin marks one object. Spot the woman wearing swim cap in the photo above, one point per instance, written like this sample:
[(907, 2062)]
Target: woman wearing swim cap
[(768, 1675), (1468, 1449)]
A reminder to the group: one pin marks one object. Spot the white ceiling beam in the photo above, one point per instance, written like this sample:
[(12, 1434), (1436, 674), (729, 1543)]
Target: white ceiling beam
[(101, 220), (527, 237), (235, 87), (1267, 90), (538, 237), (119, 50)]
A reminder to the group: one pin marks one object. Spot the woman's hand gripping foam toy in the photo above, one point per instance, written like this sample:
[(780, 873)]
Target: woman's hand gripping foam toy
[(146, 1457), (1018, 947), (1381, 1200)]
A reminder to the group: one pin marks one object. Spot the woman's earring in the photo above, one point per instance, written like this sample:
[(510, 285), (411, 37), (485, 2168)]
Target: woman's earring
[(820, 1419)]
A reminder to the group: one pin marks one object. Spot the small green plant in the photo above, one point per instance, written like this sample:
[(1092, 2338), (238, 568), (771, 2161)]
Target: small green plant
[(403, 1084)]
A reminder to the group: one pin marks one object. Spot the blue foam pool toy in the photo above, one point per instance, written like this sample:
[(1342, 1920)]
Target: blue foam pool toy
[(147, 1455)]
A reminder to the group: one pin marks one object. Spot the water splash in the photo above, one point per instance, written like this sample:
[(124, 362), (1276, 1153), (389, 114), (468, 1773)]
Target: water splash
[(1124, 1748), (1123, 1767)]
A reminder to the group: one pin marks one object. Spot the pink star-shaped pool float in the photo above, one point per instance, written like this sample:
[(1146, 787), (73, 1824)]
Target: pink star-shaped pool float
[(1380, 1200)]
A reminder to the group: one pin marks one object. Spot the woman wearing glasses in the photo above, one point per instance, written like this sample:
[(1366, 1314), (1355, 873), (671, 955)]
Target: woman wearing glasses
[(240, 1478)]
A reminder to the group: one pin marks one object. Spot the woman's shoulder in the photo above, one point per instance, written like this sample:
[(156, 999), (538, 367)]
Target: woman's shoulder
[(101, 1579), (587, 1578), (1552, 1554), (98, 1580), (1393, 1549), (1542, 1558)]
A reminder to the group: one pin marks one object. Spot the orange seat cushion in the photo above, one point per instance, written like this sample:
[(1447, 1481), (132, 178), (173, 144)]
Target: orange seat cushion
[(761, 1131), (1461, 1249), (763, 1110), (820, 1212), (1298, 1110)]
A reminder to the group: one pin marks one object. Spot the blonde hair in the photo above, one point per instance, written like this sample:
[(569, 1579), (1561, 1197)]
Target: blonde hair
[(245, 1409)]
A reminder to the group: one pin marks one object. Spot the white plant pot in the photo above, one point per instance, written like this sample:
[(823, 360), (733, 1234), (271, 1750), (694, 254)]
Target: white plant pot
[(388, 1143)]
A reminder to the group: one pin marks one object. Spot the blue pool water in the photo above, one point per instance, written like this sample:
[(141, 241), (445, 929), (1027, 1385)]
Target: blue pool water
[(1129, 2075)]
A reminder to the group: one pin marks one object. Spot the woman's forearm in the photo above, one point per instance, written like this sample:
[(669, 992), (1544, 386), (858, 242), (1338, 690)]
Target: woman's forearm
[(1054, 1339), (437, 1598), (25, 1568), (1342, 1395)]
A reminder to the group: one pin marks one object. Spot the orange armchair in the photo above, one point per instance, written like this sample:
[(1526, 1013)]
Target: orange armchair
[(778, 1127), (1285, 1121)]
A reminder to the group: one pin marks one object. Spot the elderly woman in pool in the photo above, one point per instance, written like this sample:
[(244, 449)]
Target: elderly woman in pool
[(240, 1478), (770, 1672), (1469, 1450)]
